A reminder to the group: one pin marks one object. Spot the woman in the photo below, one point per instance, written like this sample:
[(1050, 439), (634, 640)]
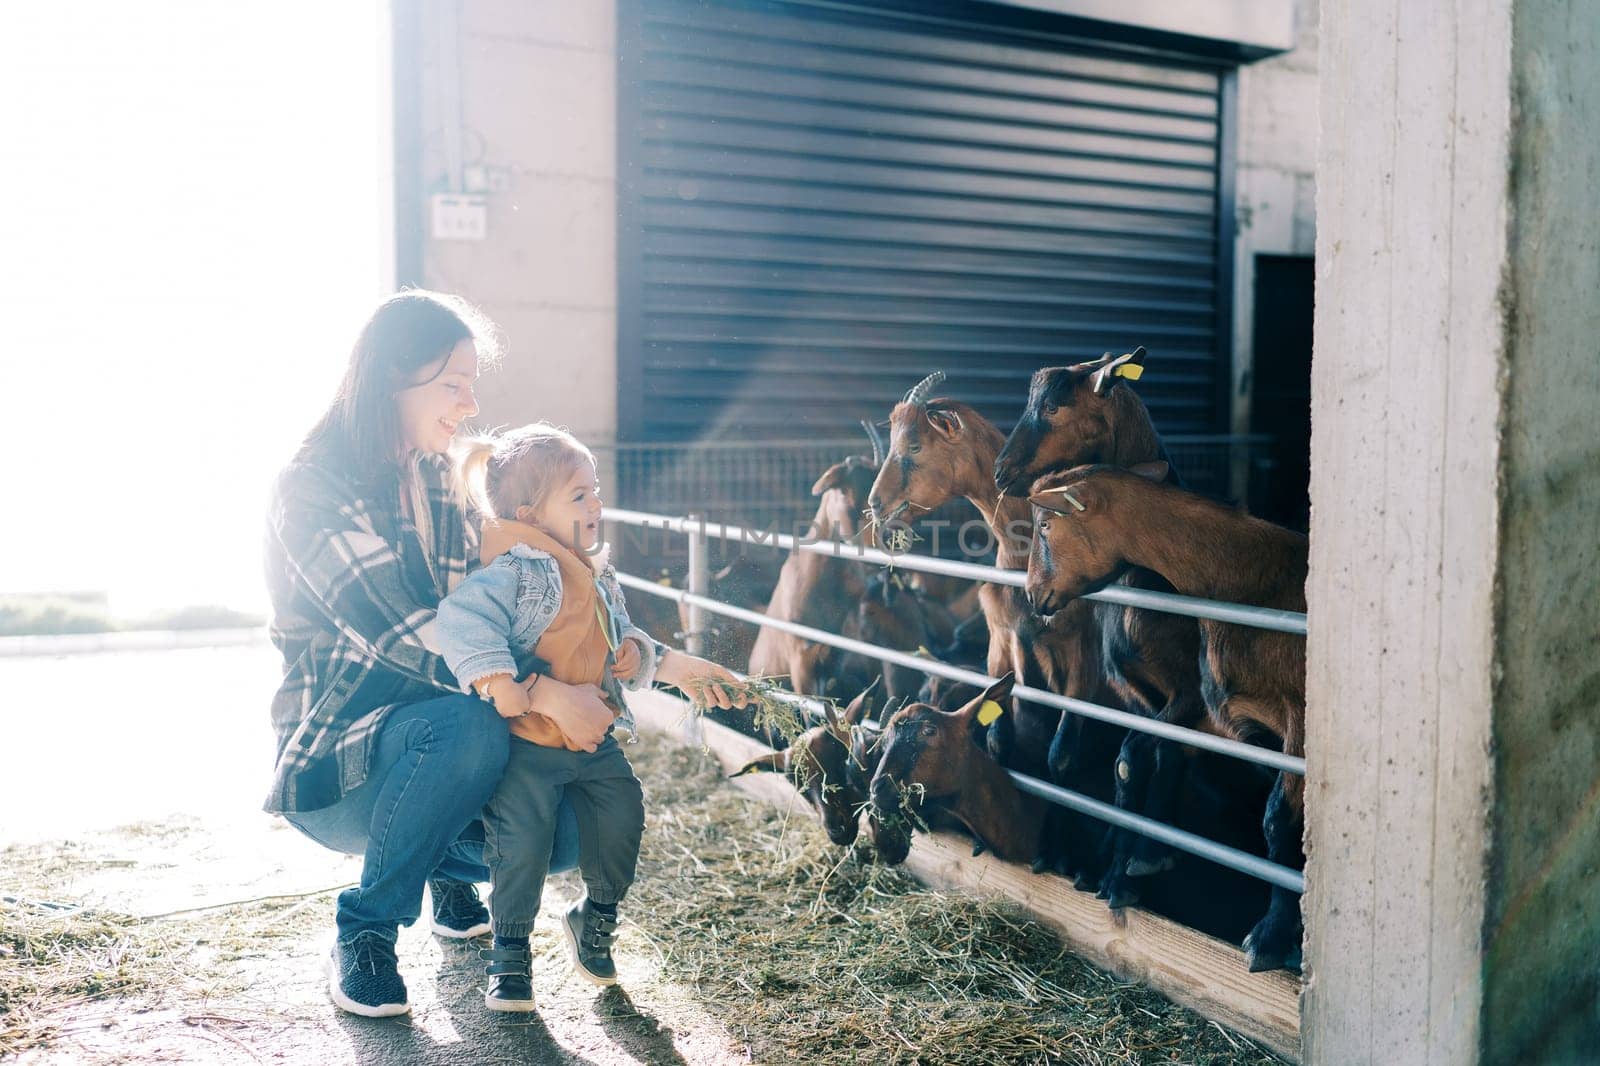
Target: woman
[(380, 754)]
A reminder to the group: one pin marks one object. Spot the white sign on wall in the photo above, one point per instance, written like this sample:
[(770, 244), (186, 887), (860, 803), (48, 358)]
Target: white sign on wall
[(460, 218)]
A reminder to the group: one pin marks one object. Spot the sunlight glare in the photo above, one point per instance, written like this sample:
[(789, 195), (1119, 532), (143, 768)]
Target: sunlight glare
[(192, 236)]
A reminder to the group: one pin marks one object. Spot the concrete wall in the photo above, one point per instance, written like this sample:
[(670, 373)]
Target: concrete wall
[(1275, 197), (531, 86), (1451, 719), (1543, 921)]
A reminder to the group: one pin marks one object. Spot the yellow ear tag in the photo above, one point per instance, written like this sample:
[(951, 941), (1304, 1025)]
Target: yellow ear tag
[(1131, 371), (989, 712)]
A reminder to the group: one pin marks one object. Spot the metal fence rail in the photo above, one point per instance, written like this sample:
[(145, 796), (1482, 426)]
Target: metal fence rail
[(699, 531), (1222, 745), (1194, 607), (1222, 854)]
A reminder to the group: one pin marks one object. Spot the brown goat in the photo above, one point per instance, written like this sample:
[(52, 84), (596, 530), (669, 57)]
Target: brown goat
[(940, 449), (1095, 522), (968, 649), (1088, 413), (817, 764), (816, 590), (933, 757), (957, 594), (832, 765), (893, 614), (744, 581)]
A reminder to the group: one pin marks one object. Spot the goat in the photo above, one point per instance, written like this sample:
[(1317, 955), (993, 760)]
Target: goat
[(891, 837), (832, 766), (893, 614), (817, 764), (1088, 413), (969, 649), (940, 449), (816, 590), (744, 581), (1095, 522), (933, 756), (957, 594)]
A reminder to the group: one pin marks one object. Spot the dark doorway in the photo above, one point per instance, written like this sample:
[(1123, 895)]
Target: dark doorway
[(1280, 404)]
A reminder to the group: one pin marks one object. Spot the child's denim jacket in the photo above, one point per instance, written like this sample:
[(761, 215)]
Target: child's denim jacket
[(491, 623)]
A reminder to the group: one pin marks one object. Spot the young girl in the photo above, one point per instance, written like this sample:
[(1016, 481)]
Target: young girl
[(546, 600)]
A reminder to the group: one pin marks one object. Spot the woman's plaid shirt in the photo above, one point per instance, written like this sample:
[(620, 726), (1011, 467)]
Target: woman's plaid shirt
[(354, 586)]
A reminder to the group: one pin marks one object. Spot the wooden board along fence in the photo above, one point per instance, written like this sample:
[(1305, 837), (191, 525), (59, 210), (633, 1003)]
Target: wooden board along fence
[(1198, 971)]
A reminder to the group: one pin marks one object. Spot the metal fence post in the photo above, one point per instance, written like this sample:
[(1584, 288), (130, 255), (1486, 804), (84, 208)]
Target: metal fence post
[(700, 585)]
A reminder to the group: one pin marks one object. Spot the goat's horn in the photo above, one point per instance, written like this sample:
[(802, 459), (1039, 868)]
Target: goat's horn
[(877, 442), (1065, 490), (919, 392), (1103, 376)]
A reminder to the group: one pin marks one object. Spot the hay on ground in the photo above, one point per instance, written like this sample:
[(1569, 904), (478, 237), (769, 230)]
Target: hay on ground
[(820, 954), (802, 950)]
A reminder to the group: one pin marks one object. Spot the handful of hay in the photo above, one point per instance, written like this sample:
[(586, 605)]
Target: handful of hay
[(773, 710)]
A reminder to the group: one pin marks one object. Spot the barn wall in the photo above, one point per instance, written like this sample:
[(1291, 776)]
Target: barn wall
[(1451, 728), (533, 91), (534, 96), (1275, 183)]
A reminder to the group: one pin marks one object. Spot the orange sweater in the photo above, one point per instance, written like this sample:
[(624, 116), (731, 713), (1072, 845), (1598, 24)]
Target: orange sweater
[(574, 644)]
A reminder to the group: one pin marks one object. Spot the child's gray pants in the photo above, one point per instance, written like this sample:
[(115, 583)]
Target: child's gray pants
[(520, 823)]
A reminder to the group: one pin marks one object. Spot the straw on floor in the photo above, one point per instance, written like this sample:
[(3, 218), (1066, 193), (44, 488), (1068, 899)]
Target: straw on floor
[(799, 949)]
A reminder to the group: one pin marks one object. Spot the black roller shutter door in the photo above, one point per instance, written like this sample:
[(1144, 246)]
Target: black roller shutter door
[(818, 207)]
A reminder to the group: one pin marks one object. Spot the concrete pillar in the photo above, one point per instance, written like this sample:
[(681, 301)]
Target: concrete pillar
[(527, 90), (1453, 731)]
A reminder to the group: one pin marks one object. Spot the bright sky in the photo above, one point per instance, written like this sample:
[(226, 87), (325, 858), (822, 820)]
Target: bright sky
[(189, 239)]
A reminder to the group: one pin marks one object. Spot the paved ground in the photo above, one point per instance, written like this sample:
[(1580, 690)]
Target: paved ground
[(141, 794)]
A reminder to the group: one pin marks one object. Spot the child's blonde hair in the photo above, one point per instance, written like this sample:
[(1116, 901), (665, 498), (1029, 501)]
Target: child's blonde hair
[(500, 471)]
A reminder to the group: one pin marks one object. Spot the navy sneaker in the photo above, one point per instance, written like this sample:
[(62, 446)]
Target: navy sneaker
[(589, 936), (510, 977), (457, 911), (364, 976)]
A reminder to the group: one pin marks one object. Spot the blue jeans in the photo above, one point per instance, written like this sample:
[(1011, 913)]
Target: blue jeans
[(416, 816)]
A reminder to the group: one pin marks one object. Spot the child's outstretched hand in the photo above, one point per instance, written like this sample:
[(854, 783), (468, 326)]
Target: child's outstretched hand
[(706, 683), (627, 661)]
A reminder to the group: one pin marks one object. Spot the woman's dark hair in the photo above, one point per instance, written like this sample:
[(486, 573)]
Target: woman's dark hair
[(409, 331)]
